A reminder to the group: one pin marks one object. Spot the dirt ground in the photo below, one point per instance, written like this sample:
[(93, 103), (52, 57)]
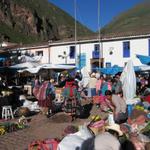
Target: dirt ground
[(41, 127)]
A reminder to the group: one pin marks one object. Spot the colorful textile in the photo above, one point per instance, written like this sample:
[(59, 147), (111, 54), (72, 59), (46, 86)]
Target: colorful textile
[(147, 98), (41, 95), (70, 86), (45, 94), (70, 105), (36, 87), (106, 105), (98, 85)]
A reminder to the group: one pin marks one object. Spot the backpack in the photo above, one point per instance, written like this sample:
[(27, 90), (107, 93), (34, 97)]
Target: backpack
[(48, 144)]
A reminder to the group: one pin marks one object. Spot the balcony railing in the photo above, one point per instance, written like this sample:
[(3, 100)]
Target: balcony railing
[(95, 54)]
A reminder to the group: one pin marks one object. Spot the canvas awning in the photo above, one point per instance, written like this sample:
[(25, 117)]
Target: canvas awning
[(36, 69), (25, 65)]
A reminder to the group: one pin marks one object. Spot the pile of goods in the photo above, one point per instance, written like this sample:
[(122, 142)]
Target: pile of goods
[(7, 127)]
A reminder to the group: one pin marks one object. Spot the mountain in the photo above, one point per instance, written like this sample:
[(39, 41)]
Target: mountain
[(132, 22), (31, 21)]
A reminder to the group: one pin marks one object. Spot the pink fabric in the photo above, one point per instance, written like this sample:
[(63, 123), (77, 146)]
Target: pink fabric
[(98, 124), (106, 105), (102, 98), (109, 86), (36, 88), (41, 95), (98, 85), (138, 145)]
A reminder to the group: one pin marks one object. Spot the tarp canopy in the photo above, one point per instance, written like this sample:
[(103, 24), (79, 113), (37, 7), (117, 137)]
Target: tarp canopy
[(144, 59), (36, 69), (128, 80), (144, 68), (111, 70), (58, 66), (115, 69), (25, 65)]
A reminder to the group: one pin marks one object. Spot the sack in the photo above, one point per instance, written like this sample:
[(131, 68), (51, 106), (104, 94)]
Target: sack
[(48, 144), (23, 111)]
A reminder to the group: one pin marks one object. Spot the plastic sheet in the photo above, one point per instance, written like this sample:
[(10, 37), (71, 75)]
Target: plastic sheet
[(128, 80)]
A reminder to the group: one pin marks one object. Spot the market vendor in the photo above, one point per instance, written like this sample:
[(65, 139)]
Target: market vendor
[(119, 107), (108, 140)]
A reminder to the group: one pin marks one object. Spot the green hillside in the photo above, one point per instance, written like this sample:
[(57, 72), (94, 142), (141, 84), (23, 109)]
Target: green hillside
[(133, 21), (30, 21)]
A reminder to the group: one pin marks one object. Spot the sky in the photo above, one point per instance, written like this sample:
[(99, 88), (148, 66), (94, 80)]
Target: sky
[(87, 10)]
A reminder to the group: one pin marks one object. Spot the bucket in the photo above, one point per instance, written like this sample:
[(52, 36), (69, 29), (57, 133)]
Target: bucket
[(130, 109)]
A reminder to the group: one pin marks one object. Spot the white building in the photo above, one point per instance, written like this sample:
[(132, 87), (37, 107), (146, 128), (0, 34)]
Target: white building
[(91, 54)]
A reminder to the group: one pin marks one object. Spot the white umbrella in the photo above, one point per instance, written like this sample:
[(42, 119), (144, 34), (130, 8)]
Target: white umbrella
[(128, 80)]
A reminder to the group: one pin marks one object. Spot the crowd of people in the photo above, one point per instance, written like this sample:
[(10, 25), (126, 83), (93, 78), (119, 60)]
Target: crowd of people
[(108, 90)]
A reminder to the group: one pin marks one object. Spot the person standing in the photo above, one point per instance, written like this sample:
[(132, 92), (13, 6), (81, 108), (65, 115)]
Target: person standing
[(92, 85), (45, 96)]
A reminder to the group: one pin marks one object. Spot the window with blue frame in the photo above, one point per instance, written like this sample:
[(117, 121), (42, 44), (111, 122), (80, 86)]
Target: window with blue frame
[(126, 49), (96, 52), (149, 47), (72, 52), (96, 47), (108, 64)]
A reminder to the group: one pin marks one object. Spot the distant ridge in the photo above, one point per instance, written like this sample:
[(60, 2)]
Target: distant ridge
[(132, 22)]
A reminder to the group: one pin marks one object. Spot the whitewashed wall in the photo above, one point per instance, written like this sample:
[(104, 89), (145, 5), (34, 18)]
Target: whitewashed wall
[(137, 46), (81, 48), (45, 57)]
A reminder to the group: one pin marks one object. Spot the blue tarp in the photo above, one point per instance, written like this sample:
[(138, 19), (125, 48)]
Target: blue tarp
[(114, 70), (110, 70), (144, 59)]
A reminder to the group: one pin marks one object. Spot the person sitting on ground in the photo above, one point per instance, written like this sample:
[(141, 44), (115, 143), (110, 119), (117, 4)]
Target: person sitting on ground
[(119, 106), (108, 140)]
